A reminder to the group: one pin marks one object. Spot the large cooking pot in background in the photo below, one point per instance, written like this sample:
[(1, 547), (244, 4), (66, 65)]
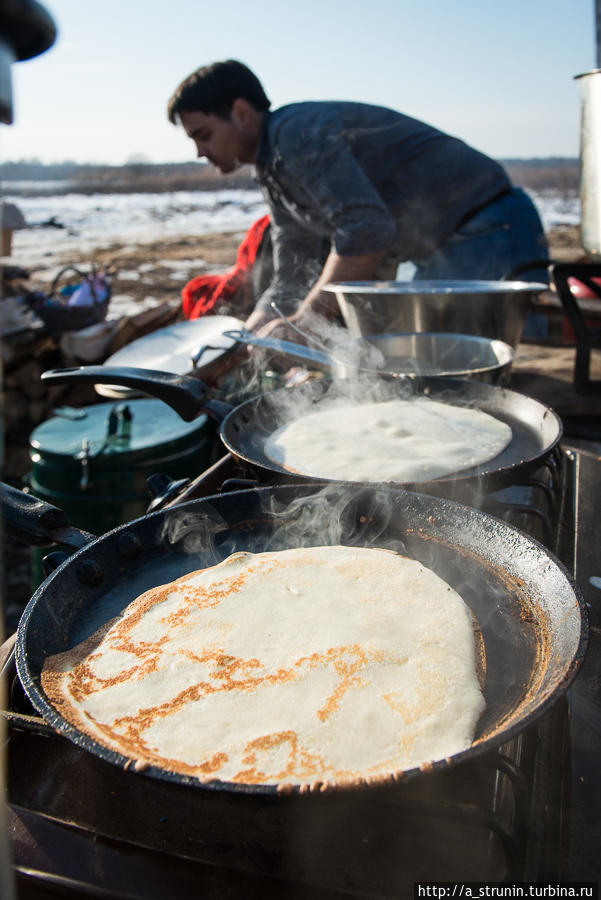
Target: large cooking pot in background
[(428, 353), (590, 161), (246, 428), (492, 309), (530, 612)]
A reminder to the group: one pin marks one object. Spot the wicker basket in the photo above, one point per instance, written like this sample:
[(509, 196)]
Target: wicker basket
[(56, 313)]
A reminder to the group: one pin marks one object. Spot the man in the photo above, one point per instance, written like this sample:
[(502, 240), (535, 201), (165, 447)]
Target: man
[(355, 189)]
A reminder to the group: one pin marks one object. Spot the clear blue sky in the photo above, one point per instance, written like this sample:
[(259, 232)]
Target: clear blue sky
[(500, 74)]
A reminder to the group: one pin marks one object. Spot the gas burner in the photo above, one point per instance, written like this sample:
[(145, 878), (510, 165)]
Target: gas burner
[(473, 823)]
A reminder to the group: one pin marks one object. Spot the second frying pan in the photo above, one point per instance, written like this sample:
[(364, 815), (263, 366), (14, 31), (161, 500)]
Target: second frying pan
[(245, 428)]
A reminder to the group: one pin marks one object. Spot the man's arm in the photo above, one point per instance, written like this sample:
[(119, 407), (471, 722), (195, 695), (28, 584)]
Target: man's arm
[(257, 319), (297, 256), (336, 268)]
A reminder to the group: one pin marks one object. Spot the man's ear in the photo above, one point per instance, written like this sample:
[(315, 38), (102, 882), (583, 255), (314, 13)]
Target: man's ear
[(242, 112)]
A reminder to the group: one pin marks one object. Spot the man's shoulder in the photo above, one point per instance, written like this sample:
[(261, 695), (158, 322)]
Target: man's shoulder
[(303, 111), (297, 124), (315, 109)]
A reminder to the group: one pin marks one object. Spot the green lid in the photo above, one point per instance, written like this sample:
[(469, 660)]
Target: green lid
[(117, 433)]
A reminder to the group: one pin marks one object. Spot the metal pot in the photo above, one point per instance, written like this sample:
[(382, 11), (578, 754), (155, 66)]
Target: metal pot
[(530, 612), (492, 309), (590, 161), (443, 355)]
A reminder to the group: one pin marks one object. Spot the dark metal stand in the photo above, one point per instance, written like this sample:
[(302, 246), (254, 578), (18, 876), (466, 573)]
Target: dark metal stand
[(587, 337)]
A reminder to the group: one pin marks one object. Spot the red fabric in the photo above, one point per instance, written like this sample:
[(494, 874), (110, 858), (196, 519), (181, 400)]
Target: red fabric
[(205, 293), (579, 289)]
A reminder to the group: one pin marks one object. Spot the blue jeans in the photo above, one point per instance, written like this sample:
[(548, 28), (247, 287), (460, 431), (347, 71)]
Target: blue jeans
[(489, 246)]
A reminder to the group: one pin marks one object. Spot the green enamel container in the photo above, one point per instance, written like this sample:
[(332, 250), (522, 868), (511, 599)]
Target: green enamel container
[(93, 462)]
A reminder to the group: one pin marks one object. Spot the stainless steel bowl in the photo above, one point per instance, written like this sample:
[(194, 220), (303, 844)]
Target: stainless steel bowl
[(423, 353), (492, 309)]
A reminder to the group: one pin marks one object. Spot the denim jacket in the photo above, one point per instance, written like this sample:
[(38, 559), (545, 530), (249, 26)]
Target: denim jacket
[(360, 178)]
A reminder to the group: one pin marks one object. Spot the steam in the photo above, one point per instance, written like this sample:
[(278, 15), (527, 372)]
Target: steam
[(333, 514), (328, 515), (194, 532)]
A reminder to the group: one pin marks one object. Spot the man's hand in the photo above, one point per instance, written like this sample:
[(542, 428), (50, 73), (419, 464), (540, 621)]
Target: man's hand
[(279, 329), (263, 325), (257, 319)]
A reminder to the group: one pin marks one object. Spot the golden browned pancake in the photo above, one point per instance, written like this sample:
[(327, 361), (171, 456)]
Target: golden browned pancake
[(321, 664)]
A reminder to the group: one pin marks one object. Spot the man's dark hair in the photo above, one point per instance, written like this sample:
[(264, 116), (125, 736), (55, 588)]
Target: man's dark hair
[(213, 89)]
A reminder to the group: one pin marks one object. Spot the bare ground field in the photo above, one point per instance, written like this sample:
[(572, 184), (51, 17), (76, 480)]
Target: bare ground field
[(158, 270)]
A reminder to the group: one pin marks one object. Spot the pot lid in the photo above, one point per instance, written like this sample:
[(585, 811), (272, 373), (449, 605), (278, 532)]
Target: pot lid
[(171, 349), (136, 428)]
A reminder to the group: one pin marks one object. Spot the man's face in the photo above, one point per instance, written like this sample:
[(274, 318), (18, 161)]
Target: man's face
[(222, 141)]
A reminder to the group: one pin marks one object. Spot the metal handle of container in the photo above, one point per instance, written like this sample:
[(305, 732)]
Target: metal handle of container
[(311, 339), (187, 396), (196, 357), (287, 348), (119, 424), (84, 457)]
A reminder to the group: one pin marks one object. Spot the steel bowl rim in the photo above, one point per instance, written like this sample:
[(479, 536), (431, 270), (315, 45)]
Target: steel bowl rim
[(434, 287)]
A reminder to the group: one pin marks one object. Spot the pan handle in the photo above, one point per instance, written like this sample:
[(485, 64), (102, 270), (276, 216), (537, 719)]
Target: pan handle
[(37, 523), (316, 358), (186, 395)]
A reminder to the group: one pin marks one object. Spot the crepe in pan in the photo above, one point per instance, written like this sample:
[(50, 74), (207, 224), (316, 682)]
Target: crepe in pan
[(394, 440), (317, 665)]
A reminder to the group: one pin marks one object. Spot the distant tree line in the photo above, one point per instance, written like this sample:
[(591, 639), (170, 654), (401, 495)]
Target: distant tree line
[(135, 176), (556, 174), (132, 177)]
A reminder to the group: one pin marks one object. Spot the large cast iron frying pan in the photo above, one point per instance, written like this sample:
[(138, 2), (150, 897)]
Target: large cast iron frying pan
[(245, 428), (530, 612)]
